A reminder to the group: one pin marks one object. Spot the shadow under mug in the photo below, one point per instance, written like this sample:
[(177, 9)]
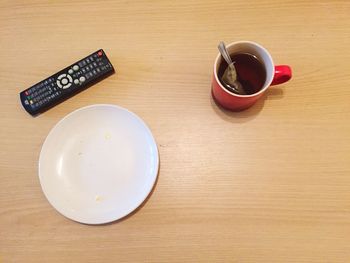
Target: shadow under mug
[(274, 75)]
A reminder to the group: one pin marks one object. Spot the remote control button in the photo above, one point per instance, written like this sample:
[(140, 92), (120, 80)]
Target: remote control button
[(67, 86), (99, 54), (70, 71), (70, 78), (75, 67), (26, 102), (61, 76), (64, 81), (82, 79), (59, 84)]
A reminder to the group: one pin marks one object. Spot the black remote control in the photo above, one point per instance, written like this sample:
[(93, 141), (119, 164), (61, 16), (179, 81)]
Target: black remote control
[(66, 83)]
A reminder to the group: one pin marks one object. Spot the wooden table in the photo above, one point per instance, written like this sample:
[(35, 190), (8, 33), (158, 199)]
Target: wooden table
[(270, 184)]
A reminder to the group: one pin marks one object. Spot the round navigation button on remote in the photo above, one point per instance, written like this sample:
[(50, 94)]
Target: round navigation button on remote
[(76, 81), (70, 71), (75, 67), (61, 76), (82, 79), (67, 86), (69, 78), (59, 84), (64, 81)]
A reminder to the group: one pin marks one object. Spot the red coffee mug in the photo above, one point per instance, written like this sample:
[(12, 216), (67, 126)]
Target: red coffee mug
[(274, 75)]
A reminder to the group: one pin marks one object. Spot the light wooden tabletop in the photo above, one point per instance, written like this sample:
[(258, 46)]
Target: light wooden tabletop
[(270, 184)]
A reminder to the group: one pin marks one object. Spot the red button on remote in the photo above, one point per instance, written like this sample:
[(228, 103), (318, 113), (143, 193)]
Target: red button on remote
[(27, 93), (99, 53)]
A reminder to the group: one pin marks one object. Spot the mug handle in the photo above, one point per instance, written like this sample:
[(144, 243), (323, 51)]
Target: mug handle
[(283, 73)]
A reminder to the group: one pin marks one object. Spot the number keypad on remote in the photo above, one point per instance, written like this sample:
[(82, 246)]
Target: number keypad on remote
[(66, 83)]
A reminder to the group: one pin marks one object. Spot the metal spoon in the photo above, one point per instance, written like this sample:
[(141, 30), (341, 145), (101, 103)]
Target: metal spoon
[(230, 75)]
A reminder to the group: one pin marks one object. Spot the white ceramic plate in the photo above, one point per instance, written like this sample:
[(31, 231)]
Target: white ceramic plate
[(98, 164)]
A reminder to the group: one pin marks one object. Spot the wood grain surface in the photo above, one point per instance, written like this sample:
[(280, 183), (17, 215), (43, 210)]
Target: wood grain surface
[(270, 184)]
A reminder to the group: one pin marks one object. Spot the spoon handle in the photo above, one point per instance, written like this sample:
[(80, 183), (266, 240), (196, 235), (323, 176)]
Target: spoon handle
[(224, 53)]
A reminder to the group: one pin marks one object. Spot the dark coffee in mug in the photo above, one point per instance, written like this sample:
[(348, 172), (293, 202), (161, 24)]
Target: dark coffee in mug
[(251, 72)]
